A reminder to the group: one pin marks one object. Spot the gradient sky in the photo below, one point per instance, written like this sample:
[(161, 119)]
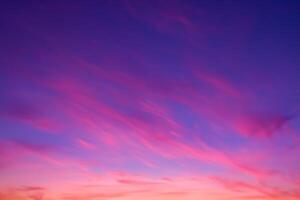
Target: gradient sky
[(150, 100)]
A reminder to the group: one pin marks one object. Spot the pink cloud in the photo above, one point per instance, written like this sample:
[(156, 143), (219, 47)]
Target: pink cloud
[(262, 190), (261, 125)]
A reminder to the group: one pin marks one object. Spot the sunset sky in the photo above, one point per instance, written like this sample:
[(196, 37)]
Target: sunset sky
[(150, 100)]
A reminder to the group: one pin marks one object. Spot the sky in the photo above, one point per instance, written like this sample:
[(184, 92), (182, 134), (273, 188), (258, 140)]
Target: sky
[(150, 99)]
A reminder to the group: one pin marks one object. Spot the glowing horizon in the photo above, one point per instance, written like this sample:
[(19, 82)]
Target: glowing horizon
[(149, 100)]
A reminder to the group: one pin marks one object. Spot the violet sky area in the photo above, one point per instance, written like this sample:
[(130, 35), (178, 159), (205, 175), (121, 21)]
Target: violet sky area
[(150, 100)]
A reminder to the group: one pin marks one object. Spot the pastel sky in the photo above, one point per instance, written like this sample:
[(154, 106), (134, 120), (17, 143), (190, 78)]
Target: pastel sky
[(150, 100)]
